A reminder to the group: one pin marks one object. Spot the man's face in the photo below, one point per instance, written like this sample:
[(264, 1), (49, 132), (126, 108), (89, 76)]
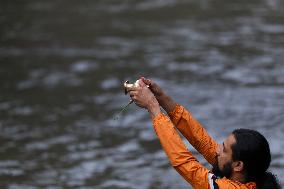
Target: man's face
[(223, 166)]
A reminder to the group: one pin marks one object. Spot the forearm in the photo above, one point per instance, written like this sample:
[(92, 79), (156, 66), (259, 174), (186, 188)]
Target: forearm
[(193, 131), (170, 140), (166, 102), (181, 159)]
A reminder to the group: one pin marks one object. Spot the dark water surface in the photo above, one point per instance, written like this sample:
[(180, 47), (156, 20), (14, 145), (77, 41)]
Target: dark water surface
[(63, 62)]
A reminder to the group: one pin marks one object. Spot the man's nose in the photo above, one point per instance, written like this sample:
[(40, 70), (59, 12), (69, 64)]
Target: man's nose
[(219, 149)]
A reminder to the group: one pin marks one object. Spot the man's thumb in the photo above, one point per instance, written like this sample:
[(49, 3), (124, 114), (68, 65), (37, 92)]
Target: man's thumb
[(141, 83), (146, 81)]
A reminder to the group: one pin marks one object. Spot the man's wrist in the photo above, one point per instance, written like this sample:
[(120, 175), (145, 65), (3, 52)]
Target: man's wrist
[(154, 108)]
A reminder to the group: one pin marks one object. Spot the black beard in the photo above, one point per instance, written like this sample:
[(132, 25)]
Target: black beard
[(226, 172)]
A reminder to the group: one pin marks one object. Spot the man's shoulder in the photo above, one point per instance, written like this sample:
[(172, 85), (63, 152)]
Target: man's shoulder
[(231, 184)]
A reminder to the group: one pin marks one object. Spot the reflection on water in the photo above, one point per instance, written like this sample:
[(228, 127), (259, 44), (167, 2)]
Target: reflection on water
[(62, 65)]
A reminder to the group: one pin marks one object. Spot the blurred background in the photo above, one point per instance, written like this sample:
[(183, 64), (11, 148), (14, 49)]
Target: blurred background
[(62, 68)]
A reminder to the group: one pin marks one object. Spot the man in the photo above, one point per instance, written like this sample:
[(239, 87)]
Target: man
[(241, 162)]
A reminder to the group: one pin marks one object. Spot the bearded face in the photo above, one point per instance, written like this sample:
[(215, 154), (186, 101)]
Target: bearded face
[(223, 166), (226, 171)]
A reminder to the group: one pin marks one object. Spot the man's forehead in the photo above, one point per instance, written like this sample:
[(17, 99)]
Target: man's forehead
[(230, 140)]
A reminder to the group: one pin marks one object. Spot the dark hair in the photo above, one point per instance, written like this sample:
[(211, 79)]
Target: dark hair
[(253, 150)]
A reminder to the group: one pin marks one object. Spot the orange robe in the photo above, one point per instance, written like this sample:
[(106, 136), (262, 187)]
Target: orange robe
[(182, 159)]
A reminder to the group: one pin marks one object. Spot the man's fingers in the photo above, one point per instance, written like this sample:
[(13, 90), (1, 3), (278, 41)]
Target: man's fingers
[(141, 83), (133, 93), (149, 82), (152, 86), (146, 81)]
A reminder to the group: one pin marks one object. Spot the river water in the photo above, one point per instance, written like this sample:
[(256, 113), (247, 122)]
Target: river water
[(63, 64)]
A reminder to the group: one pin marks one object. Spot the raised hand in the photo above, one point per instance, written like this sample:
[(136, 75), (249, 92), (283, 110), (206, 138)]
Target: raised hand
[(155, 88), (144, 98), (165, 101)]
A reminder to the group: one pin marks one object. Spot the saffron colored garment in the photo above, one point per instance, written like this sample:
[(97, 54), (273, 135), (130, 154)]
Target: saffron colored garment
[(182, 159)]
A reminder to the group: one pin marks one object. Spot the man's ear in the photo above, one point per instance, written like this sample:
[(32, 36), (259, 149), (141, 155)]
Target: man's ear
[(238, 166)]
